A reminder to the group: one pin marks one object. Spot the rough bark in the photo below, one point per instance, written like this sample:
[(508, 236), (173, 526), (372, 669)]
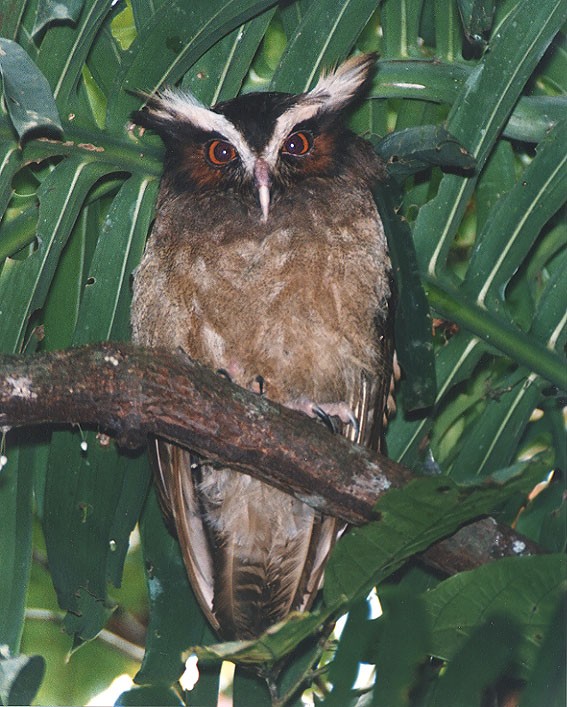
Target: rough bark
[(129, 392)]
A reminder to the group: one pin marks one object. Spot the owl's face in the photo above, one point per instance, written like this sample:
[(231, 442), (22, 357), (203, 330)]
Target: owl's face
[(259, 144)]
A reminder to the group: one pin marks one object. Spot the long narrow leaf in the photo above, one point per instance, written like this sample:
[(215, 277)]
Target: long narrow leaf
[(407, 439), (65, 49), (24, 283), (324, 36), (16, 518), (186, 31), (479, 114), (517, 220), (220, 72), (109, 275)]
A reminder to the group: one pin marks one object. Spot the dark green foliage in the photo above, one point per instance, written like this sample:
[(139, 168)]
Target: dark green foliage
[(470, 98)]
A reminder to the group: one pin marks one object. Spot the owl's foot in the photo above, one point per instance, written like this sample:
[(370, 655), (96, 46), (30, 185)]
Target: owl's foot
[(224, 374), (234, 373), (328, 413), (258, 385)]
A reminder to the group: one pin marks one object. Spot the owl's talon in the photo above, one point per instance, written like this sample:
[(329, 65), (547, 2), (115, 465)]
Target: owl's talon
[(324, 417), (354, 423), (329, 413), (224, 373), (259, 385)]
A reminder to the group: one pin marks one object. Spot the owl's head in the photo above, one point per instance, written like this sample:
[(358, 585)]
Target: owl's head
[(259, 143)]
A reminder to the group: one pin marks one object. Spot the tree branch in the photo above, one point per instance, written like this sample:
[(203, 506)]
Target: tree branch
[(129, 392)]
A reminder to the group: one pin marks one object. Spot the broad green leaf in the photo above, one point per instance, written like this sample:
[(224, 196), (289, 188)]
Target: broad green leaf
[(92, 94), (325, 35), (18, 233), (441, 82), (27, 95), (399, 644), (71, 679), (143, 10), (123, 26), (496, 180), (411, 519), (298, 664), (479, 114), (544, 518), (370, 119), (49, 11), (61, 309), (267, 57), (250, 689), (550, 318), (132, 494), (553, 70), (105, 60), (185, 31), (418, 114), (20, 678), (486, 656), (16, 518), (85, 489), (350, 651), (547, 680), (206, 691), (291, 15), (527, 590)]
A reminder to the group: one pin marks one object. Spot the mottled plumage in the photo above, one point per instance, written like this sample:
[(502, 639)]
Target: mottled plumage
[(267, 260)]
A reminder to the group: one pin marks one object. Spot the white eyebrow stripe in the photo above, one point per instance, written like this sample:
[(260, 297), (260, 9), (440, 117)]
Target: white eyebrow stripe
[(305, 109), (183, 106)]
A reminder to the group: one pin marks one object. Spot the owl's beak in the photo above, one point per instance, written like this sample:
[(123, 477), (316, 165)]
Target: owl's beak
[(263, 182)]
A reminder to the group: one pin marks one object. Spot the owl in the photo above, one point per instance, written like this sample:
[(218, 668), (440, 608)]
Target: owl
[(267, 262)]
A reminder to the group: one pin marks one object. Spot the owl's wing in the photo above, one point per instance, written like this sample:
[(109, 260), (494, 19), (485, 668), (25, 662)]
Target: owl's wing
[(245, 574), (369, 401)]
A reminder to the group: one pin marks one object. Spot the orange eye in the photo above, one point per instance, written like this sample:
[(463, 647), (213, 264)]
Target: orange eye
[(220, 153), (298, 144)]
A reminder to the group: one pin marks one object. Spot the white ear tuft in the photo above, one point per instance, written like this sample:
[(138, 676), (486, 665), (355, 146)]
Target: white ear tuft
[(337, 88), (172, 111), (176, 107), (333, 92)]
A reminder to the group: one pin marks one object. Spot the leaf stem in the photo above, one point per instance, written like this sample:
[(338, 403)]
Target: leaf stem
[(511, 341)]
